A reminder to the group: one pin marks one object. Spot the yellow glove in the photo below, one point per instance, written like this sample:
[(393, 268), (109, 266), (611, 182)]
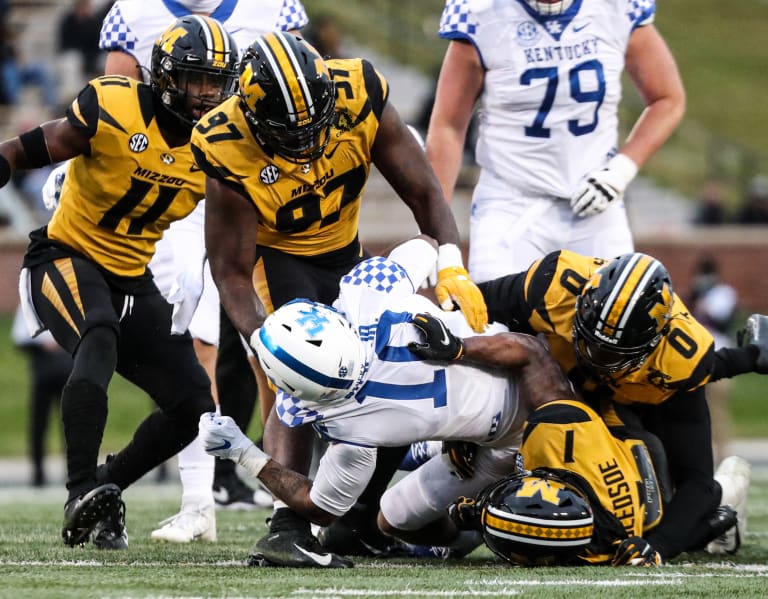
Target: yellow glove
[(455, 286)]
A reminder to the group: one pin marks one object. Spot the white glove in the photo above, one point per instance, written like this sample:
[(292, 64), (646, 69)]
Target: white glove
[(222, 438), (603, 186), (51, 191), (185, 294)]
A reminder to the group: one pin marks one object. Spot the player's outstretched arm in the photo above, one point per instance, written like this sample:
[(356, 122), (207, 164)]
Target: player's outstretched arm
[(223, 438)]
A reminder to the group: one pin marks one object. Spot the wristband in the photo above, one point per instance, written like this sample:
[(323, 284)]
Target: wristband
[(253, 460), (449, 255), (623, 167), (35, 147)]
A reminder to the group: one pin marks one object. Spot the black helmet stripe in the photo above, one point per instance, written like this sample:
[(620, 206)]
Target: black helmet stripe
[(289, 76), (216, 40), (626, 292)]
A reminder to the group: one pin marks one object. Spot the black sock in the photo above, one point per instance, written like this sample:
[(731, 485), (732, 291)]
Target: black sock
[(84, 415)]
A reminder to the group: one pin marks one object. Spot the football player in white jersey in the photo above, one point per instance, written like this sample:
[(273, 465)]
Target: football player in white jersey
[(356, 373), (547, 75), (128, 33)]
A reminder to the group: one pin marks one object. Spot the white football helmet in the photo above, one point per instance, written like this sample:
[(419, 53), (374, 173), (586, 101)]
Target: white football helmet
[(548, 8), (310, 351)]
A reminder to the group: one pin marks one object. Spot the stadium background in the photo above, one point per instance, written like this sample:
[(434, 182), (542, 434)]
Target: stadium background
[(721, 53)]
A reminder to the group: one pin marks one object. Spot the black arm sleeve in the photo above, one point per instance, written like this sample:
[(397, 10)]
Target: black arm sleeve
[(685, 432), (505, 299), (730, 361)]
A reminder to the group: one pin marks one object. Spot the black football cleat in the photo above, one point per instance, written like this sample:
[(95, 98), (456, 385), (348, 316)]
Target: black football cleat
[(82, 514), (110, 533), (289, 543), (353, 535), (725, 531), (293, 549)]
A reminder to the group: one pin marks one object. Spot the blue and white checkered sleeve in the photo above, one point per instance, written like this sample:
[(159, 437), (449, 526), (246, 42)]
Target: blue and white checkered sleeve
[(291, 412), (115, 33), (378, 273), (456, 21), (292, 16), (641, 12)]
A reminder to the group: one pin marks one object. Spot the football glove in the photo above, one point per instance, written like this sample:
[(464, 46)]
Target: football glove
[(602, 187), (51, 190), (223, 438), (454, 287), (185, 294), (439, 343), (755, 334), (464, 513), (460, 458), (635, 551)]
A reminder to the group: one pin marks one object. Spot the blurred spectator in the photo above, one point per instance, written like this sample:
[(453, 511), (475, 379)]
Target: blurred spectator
[(754, 211), (49, 368), (79, 30), (714, 305), (326, 36), (16, 74), (711, 208)]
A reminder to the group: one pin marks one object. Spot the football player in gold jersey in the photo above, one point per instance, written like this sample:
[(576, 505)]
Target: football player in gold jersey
[(85, 275), (635, 353), (539, 517), (287, 163)]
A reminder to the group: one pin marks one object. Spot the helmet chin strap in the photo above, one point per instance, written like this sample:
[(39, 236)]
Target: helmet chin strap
[(200, 6)]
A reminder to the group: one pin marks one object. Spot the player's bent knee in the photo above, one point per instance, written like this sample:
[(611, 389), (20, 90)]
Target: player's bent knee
[(96, 356), (384, 526)]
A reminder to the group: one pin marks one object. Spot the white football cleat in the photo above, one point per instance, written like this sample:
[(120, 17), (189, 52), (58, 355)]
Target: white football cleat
[(192, 523), (734, 475)]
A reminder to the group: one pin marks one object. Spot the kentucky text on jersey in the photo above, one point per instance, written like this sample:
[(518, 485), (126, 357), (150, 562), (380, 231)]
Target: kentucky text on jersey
[(571, 52)]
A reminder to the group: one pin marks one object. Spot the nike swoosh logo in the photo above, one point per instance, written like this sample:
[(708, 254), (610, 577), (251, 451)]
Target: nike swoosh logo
[(445, 340), (194, 168), (330, 153), (323, 560), (584, 26), (225, 445)]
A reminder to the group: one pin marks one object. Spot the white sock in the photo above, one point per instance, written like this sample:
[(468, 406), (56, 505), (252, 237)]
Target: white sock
[(196, 474)]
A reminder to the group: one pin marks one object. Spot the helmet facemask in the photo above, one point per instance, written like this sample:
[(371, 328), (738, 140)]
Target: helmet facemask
[(190, 93), (301, 144), (605, 359)]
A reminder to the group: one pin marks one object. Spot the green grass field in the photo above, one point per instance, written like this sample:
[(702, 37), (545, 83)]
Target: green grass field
[(35, 564)]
